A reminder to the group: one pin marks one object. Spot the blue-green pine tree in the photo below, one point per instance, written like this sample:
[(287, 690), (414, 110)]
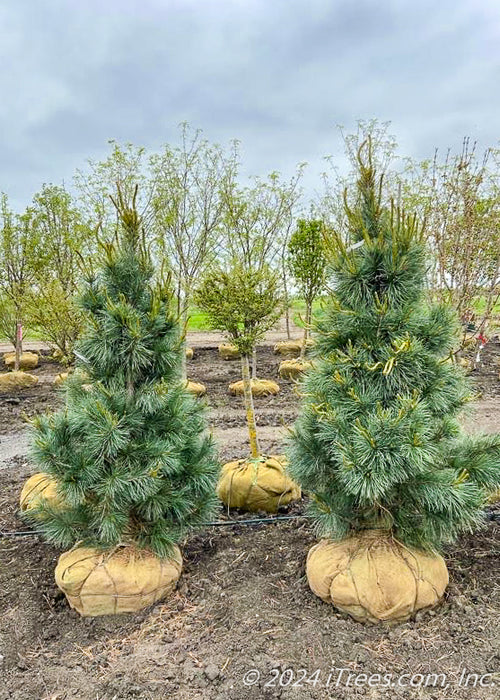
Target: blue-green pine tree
[(378, 443), (129, 451)]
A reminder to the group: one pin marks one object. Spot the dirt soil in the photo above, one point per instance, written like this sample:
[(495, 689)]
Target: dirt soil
[(243, 602)]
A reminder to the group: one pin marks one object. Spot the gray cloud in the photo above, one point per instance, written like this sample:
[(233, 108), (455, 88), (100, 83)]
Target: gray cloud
[(276, 75)]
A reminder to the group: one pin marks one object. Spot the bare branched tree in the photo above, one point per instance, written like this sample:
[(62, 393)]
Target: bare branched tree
[(189, 206), (459, 198)]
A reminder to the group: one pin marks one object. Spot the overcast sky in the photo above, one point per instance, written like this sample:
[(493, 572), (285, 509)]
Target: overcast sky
[(277, 74)]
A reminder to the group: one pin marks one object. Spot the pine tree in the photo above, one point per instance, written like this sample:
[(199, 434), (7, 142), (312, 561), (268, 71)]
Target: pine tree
[(129, 452), (378, 444)]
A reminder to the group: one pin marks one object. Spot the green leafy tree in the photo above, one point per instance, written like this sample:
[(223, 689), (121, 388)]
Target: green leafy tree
[(244, 304), (129, 452), (188, 208), (378, 443), (123, 167), (257, 223), (64, 241), (19, 261), (307, 260)]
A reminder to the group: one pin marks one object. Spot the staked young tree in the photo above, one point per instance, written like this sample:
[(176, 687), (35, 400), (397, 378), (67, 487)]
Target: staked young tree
[(307, 261), (378, 443), (244, 304), (257, 224), (129, 452)]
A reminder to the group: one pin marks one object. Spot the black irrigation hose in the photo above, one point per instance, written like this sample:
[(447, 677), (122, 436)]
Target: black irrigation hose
[(492, 517)]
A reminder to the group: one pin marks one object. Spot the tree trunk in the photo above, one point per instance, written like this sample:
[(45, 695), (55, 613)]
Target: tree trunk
[(306, 330), (287, 305), (254, 363), (287, 322), (247, 390), (184, 324), (19, 345)]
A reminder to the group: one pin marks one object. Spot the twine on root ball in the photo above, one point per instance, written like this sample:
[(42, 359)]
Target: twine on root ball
[(374, 578), (260, 387), (122, 580), (39, 487), (257, 484)]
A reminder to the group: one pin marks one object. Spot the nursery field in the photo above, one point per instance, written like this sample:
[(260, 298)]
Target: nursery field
[(243, 603)]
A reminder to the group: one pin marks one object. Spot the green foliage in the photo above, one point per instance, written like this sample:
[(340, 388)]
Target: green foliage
[(19, 262), (378, 442), (244, 303), (56, 317), (64, 240), (129, 451), (8, 319), (307, 258)]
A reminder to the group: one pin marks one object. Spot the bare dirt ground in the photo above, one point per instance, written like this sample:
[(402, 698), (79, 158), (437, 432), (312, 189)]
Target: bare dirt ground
[(243, 602)]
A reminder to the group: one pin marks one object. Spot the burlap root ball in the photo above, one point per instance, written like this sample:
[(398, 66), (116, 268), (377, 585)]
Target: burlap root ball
[(373, 578), (254, 486), (189, 353), (293, 369), (494, 497), (14, 381), (28, 360), (61, 378), (57, 354), (291, 348), (228, 351), (196, 388), (123, 580), (260, 387), (466, 364), (39, 487)]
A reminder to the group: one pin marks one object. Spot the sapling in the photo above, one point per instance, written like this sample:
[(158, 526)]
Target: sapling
[(245, 303), (307, 260)]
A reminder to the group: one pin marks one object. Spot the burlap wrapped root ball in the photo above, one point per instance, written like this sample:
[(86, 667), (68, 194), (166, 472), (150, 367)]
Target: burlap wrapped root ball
[(257, 485), (293, 369), (61, 378), (228, 351), (373, 578), (466, 364), (494, 497), (260, 387), (15, 381), (189, 353), (291, 348), (27, 360), (122, 580), (196, 388), (39, 487)]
